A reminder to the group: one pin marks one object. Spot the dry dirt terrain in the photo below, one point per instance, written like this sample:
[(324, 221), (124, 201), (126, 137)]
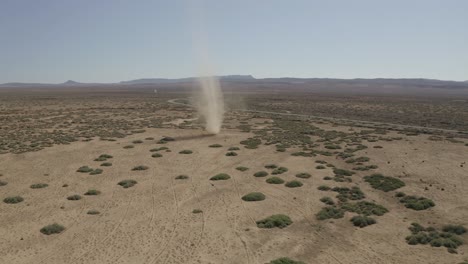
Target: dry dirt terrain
[(162, 218)]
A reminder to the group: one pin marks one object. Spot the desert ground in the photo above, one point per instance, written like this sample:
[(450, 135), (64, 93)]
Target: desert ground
[(318, 152)]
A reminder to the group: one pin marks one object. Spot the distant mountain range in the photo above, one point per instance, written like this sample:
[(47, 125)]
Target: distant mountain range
[(250, 79)]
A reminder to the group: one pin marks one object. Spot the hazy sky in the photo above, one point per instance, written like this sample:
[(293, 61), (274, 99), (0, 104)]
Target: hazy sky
[(111, 40)]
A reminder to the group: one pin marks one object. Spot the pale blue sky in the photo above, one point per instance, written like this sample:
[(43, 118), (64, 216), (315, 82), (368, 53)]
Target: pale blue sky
[(109, 41)]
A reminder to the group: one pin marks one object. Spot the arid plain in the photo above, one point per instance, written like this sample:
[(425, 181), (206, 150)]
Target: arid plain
[(129, 176)]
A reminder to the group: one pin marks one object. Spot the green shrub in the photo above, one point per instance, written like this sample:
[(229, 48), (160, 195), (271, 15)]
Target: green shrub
[(84, 169), (271, 166), (128, 147), (279, 170), (345, 193), (362, 221), (327, 200), (275, 180), (417, 203), (343, 172), (52, 229), (251, 143), (433, 237), (231, 154), (293, 184), (13, 200), (74, 197), (320, 167), (362, 159), (39, 185), (233, 148), (185, 151), (253, 196), (384, 183), (106, 164), (96, 171), (93, 212), (158, 149), (197, 211), (327, 178), (140, 168), (330, 212), (181, 177), (3, 183), (220, 176), (455, 229), (260, 174), (286, 261), (127, 183), (215, 146), (303, 175), (241, 168), (137, 141), (400, 194), (92, 192), (324, 188), (365, 208), (278, 220), (156, 155)]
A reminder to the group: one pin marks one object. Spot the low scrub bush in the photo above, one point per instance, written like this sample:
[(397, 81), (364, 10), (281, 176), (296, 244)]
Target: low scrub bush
[(327, 200), (362, 221), (96, 171), (156, 155), (279, 170), (93, 212), (417, 203), (384, 183), (242, 168), (278, 220), (343, 172), (455, 229), (275, 180), (365, 208), (253, 196), (220, 177), (92, 192), (293, 184), (345, 193), (285, 261), (303, 175), (261, 174), (271, 166), (127, 183), (324, 188), (106, 164), (215, 146), (330, 212), (3, 183), (231, 154), (39, 185), (140, 168), (181, 177), (186, 151), (74, 197), (52, 229), (233, 148), (84, 169), (13, 200)]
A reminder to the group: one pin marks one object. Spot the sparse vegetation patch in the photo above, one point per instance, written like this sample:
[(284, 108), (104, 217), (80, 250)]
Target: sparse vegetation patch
[(278, 220), (384, 183)]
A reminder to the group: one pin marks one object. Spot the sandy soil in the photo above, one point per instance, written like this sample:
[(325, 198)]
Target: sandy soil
[(153, 222)]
